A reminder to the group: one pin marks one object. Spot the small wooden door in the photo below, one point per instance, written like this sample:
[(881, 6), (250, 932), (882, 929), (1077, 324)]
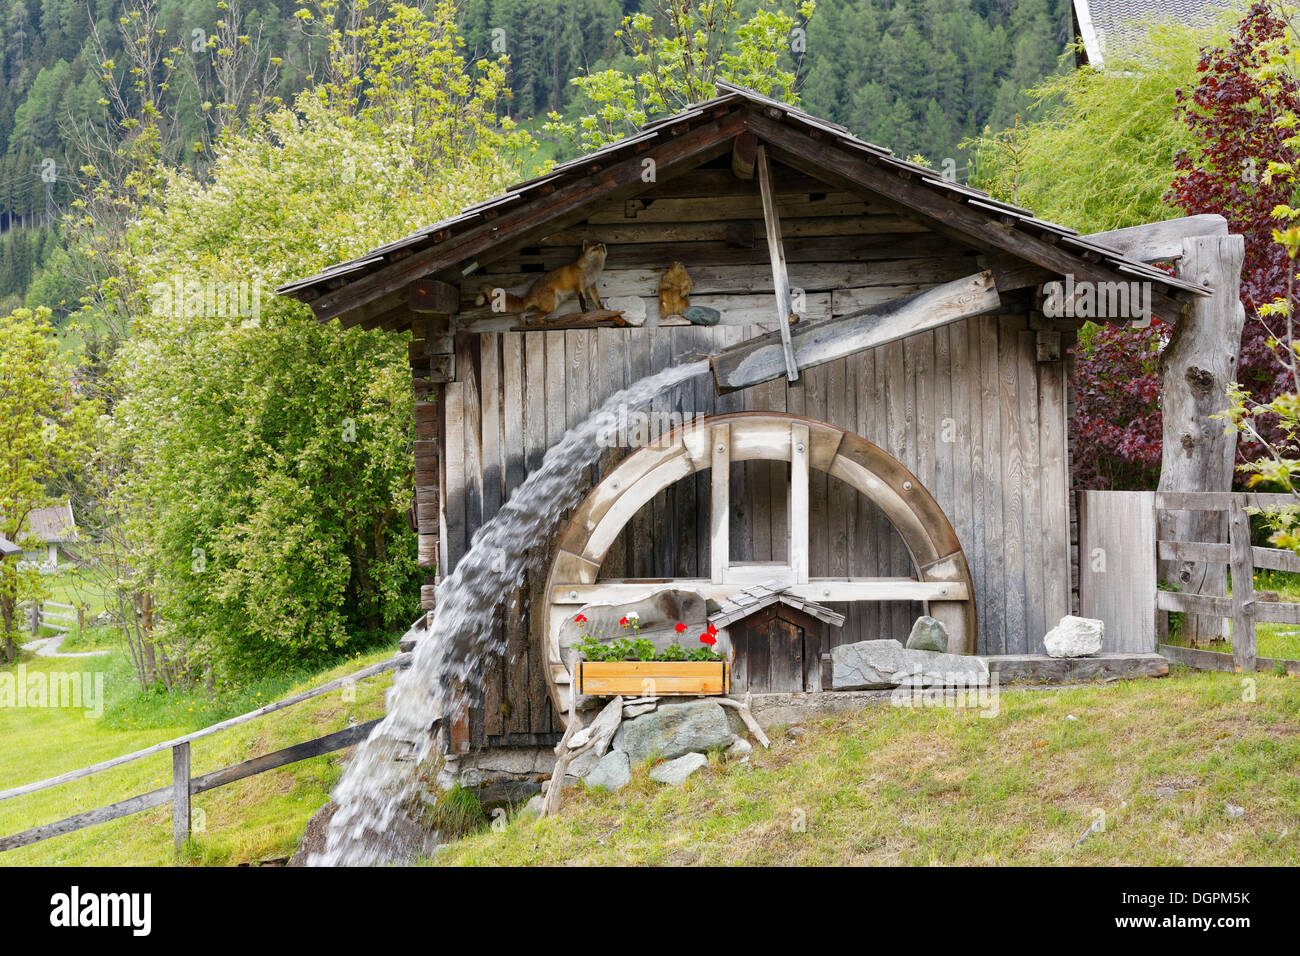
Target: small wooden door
[(776, 651)]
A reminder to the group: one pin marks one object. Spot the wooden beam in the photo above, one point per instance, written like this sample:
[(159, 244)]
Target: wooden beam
[(743, 155), (780, 277), (762, 358), (180, 795), (1243, 592), (798, 522), (1196, 368), (831, 162), (431, 297), (822, 590), (720, 514), (1156, 241)]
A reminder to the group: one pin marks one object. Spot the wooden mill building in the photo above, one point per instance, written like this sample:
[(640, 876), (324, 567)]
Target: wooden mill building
[(924, 469)]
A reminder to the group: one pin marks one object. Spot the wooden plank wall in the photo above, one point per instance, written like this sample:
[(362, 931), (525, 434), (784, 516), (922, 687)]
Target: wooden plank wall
[(967, 408), (1117, 567)]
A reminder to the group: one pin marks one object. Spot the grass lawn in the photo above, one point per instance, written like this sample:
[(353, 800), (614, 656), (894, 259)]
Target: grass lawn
[(257, 818), (1159, 758)]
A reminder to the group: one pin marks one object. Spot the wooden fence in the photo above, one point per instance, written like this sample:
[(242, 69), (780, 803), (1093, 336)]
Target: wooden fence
[(60, 618), (184, 786), (1243, 607)]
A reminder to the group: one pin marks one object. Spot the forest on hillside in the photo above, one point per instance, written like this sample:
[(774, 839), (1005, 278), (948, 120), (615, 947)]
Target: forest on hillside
[(917, 76)]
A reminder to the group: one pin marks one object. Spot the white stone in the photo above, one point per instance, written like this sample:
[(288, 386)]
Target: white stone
[(1075, 637), (675, 772), (1234, 812), (739, 748)]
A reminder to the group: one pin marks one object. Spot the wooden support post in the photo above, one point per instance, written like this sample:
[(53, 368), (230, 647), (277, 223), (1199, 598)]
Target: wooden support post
[(1243, 590), (180, 795), (743, 155), (776, 250), (720, 515), (1196, 367), (799, 502)]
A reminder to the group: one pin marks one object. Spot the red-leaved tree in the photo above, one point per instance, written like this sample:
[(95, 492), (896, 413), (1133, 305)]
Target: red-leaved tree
[(1117, 422), (1233, 117)]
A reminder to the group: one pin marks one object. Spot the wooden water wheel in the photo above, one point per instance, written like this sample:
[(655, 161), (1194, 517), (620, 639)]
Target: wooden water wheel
[(942, 580)]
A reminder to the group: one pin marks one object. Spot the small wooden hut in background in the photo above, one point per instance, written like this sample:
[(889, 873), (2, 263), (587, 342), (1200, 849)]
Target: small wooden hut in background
[(936, 470)]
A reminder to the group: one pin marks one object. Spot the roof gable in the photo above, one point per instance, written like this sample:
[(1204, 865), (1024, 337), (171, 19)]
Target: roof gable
[(365, 290)]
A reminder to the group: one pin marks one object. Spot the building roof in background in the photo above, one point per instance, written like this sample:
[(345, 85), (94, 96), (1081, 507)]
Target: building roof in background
[(8, 548), (1105, 25), (53, 525), (368, 290)]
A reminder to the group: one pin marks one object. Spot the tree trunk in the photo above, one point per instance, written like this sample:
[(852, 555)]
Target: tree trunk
[(1196, 367)]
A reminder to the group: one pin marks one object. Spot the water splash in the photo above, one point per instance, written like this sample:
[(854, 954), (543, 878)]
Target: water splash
[(381, 789)]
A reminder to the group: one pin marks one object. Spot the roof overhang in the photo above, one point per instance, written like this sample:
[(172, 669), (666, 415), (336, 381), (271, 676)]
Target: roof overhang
[(372, 291)]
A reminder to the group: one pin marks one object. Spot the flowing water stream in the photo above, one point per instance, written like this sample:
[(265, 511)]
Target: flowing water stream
[(382, 785)]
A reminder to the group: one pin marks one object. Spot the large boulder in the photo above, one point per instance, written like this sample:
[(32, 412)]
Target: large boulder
[(928, 635), (1075, 637), (674, 729), (867, 665), (675, 772), (613, 773)]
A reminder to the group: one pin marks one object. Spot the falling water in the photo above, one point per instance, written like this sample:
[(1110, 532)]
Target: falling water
[(382, 784)]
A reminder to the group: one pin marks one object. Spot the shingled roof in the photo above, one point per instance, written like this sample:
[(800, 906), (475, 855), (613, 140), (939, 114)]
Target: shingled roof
[(370, 290), (53, 525), (1108, 25)]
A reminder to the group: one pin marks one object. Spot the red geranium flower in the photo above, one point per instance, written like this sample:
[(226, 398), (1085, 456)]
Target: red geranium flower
[(708, 638), (580, 620), (623, 621), (680, 628), (712, 629)]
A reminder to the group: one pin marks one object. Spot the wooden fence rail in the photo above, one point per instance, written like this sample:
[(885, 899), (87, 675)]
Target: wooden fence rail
[(184, 786), (1243, 607)]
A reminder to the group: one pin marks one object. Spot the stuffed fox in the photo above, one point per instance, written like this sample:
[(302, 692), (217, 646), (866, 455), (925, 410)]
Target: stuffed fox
[(545, 294)]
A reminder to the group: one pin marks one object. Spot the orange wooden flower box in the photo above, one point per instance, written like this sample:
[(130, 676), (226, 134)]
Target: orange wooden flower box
[(654, 678)]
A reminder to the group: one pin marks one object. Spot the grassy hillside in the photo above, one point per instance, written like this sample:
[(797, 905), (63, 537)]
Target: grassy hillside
[(257, 818), (936, 786)]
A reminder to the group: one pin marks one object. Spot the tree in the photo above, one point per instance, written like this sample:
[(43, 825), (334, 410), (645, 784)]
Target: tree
[(678, 52), (271, 468), (1239, 110), (45, 429)]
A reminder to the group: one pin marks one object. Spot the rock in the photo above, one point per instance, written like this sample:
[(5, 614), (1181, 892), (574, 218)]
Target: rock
[(601, 730), (533, 808), (1234, 812), (506, 793), (675, 772), (314, 835), (636, 710), (740, 747), (1075, 637), (928, 635), (795, 732), (613, 773), (672, 730), (657, 613), (883, 664)]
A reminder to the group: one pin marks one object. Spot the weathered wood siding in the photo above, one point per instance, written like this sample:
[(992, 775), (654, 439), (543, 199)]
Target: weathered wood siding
[(968, 408), (1117, 582)]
